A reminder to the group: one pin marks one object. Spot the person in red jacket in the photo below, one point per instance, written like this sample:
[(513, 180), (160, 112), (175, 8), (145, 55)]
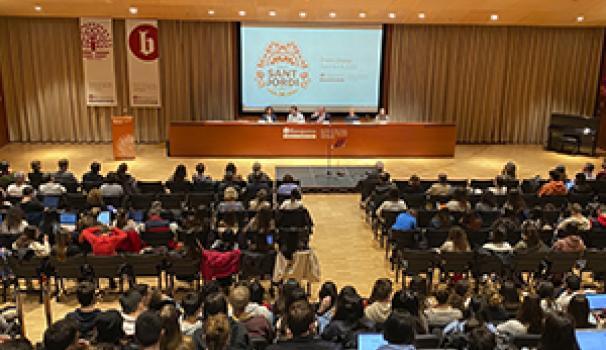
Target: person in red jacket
[(104, 240)]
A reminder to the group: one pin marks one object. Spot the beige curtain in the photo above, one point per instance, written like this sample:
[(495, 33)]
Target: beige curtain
[(498, 84), (44, 81)]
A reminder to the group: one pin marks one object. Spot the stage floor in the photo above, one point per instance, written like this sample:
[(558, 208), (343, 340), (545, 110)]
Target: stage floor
[(343, 241)]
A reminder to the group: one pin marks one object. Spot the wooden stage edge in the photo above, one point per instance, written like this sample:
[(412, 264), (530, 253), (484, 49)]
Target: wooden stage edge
[(337, 140)]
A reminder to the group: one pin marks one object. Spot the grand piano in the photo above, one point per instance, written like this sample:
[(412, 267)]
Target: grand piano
[(573, 133)]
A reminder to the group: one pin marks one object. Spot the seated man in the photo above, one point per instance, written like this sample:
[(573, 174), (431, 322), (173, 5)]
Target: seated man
[(442, 313), (191, 319), (441, 188), (257, 174), (16, 188), (288, 184), (406, 221), (149, 330), (94, 175), (36, 176), (61, 335), (320, 115), (392, 203), (51, 188), (257, 326), (86, 314), (63, 175), (300, 321), (214, 304), (294, 116), (132, 306), (577, 217)]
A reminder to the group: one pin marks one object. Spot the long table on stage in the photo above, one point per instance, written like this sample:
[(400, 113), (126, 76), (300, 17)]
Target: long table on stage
[(247, 139)]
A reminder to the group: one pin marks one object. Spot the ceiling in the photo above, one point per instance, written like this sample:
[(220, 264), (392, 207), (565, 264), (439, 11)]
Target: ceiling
[(510, 12)]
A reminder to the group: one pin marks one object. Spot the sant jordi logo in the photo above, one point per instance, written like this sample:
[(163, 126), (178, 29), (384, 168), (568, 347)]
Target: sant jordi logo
[(282, 69)]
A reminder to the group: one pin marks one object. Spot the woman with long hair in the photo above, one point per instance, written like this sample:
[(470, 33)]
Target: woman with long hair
[(578, 309), (172, 330), (379, 303), (261, 228), (216, 332), (531, 241), (349, 320), (29, 240), (14, 223), (558, 333), (456, 241), (529, 319)]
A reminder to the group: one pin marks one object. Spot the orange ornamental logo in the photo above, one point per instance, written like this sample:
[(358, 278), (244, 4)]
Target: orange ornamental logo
[(282, 69)]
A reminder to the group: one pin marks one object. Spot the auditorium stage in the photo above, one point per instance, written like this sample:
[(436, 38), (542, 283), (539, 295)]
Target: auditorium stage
[(337, 217)]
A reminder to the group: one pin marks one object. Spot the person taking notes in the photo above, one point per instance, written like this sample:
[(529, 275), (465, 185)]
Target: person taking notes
[(320, 115), (294, 116)]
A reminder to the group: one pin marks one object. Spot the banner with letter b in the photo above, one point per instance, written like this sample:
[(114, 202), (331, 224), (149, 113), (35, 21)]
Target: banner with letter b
[(142, 58)]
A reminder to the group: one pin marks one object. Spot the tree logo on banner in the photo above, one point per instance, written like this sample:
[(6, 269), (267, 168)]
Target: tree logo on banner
[(143, 42), (282, 69), (96, 40)]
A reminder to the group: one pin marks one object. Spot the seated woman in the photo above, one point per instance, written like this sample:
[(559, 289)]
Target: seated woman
[(456, 241), (325, 309), (558, 332), (577, 217), (408, 301), (414, 185), (104, 240), (531, 241), (487, 202), (578, 309), (228, 231), (497, 242), (230, 201), (14, 222), (546, 292), (471, 221), (529, 319), (442, 313), (294, 202), (178, 182), (94, 199), (379, 303), (580, 185), (231, 173), (348, 321), (29, 240), (261, 229)]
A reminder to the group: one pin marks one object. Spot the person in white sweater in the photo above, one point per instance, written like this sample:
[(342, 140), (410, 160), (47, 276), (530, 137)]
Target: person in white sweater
[(529, 319), (29, 240), (379, 306)]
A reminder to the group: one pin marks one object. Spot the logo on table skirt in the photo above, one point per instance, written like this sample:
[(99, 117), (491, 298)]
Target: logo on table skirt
[(299, 134), (143, 42), (96, 41), (282, 70)]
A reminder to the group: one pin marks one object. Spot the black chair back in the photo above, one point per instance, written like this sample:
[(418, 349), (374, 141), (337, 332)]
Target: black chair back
[(141, 201), (153, 187), (157, 239)]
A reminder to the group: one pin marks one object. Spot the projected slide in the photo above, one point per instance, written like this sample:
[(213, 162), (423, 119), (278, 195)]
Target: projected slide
[(310, 66)]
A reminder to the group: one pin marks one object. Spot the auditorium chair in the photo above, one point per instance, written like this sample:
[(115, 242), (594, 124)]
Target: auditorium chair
[(30, 268), (157, 239), (595, 263), (146, 265), (599, 186), (481, 184), (427, 341), (415, 262), (560, 263), (76, 201), (141, 201), (595, 238), (71, 187), (172, 201), (560, 202), (487, 264), (424, 217), (7, 240), (426, 184), (400, 240), (582, 199), (195, 200), (489, 217), (455, 262), (458, 183), (258, 265), (528, 263), (527, 341), (415, 200), (153, 187), (114, 201), (389, 218), (182, 267), (178, 187), (69, 268), (89, 185), (435, 237), (204, 186), (106, 267)]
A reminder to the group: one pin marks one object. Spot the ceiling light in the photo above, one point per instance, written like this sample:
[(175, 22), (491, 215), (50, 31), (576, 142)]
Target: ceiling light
[(332, 14), (272, 13), (133, 10), (421, 15), (302, 14), (362, 15), (38, 8), (494, 17), (391, 15), (580, 19), (211, 12), (242, 13)]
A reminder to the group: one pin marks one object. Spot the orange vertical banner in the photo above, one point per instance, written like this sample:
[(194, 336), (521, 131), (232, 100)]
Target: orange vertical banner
[(123, 137)]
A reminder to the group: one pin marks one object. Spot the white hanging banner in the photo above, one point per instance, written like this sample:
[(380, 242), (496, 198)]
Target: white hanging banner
[(98, 59), (142, 58)]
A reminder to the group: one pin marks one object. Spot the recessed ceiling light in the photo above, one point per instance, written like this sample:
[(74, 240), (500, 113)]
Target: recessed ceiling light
[(580, 19), (242, 13), (332, 14), (494, 17), (421, 15), (211, 12), (133, 10), (272, 13), (391, 15), (302, 14), (362, 15), (38, 8)]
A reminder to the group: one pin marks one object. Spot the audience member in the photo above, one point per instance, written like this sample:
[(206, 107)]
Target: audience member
[(573, 286), (405, 221), (414, 185), (456, 241), (399, 332), (216, 304), (325, 310), (440, 188), (558, 333), (132, 305), (109, 326), (442, 313), (257, 326), (199, 176), (112, 186), (288, 184), (104, 240), (126, 180), (588, 169), (408, 301), (294, 202), (509, 171), (580, 185), (442, 219), (600, 220), (217, 332), (379, 303), (300, 322), (257, 175), (349, 320), (497, 241), (86, 315), (149, 330), (16, 188), (230, 201), (391, 203), (546, 292), (14, 222), (172, 338), (63, 175), (29, 240), (529, 319), (555, 186), (61, 335), (500, 186), (487, 202), (191, 318), (569, 241), (531, 241), (94, 175), (30, 203), (578, 309), (36, 176), (576, 217), (261, 199)]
